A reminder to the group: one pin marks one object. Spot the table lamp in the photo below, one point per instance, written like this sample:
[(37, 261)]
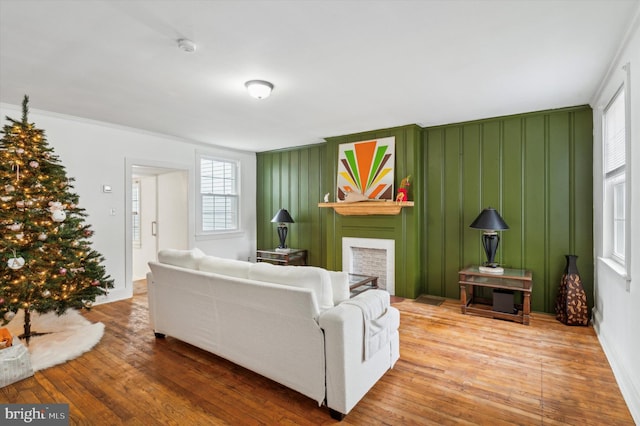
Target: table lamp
[(489, 221), (282, 218)]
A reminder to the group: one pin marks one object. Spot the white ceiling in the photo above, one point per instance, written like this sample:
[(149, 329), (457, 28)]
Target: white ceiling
[(338, 67)]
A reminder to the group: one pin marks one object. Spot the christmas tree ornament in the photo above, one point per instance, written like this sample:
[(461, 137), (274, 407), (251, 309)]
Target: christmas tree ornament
[(62, 271), (20, 204), (9, 188), (6, 198), (58, 215), (8, 316), (88, 303), (15, 263), (34, 164), (46, 293), (42, 236), (15, 226), (57, 211)]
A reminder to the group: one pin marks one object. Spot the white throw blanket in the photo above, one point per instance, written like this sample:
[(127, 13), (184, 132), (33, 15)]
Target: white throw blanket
[(373, 304)]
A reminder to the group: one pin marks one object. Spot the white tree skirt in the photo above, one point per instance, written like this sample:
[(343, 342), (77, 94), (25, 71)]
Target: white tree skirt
[(69, 336)]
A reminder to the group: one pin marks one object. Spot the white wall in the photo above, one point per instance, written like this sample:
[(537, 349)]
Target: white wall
[(97, 154), (616, 314)]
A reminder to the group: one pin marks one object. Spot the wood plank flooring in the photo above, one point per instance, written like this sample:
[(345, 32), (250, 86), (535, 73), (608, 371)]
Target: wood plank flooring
[(454, 370)]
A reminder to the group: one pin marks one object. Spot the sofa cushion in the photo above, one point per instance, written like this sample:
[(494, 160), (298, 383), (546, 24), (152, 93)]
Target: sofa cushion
[(228, 267), (311, 277), (183, 258), (340, 286)]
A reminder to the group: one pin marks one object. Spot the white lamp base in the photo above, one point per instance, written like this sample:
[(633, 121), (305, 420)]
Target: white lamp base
[(490, 270)]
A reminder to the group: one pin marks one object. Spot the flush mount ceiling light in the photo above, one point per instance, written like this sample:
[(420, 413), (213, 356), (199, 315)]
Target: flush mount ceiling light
[(259, 89), (186, 45)]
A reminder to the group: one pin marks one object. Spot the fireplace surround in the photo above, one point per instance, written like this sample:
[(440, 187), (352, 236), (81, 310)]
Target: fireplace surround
[(370, 256)]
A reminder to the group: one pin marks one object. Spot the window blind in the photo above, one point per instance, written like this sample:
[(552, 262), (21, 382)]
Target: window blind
[(614, 131)]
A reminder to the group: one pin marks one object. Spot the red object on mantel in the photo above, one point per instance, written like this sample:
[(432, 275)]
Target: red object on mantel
[(402, 195), (402, 191)]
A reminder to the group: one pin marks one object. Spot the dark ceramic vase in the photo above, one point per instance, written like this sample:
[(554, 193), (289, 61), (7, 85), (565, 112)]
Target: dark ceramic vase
[(571, 304)]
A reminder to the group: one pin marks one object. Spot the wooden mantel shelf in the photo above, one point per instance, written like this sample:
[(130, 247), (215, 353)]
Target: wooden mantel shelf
[(367, 208)]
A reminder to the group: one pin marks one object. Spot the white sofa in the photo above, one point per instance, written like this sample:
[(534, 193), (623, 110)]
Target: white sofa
[(293, 324)]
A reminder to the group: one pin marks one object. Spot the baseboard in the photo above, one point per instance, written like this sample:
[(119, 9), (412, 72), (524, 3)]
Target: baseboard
[(630, 391)]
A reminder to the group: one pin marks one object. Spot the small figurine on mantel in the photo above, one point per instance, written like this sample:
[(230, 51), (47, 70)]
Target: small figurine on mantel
[(402, 191)]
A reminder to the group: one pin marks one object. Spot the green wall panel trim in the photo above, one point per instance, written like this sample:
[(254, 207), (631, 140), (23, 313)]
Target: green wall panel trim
[(535, 168), (405, 229), (292, 179)]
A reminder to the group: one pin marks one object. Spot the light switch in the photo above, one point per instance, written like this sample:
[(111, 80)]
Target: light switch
[(112, 212)]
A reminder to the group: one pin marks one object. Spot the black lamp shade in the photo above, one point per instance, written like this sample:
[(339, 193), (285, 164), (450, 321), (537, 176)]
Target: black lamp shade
[(490, 220), (282, 216)]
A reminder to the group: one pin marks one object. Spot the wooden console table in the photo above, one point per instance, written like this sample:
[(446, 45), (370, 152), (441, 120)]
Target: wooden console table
[(511, 279), (291, 257)]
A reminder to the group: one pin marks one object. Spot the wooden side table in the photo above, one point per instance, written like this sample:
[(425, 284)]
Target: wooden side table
[(291, 257), (511, 279)]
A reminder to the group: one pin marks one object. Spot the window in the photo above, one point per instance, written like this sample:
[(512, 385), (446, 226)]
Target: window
[(135, 213), (614, 135), (218, 195)]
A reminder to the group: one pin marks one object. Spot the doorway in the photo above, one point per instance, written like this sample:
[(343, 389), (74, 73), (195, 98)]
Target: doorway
[(158, 216)]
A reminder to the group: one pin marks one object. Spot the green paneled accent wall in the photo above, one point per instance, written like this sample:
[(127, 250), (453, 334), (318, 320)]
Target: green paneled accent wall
[(535, 169), (292, 179), (404, 229), (297, 179)]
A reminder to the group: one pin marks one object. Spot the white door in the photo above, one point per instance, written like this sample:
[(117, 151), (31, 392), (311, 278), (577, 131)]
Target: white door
[(161, 209)]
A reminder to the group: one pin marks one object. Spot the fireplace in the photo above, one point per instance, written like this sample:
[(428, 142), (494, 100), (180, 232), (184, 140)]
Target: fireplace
[(370, 256)]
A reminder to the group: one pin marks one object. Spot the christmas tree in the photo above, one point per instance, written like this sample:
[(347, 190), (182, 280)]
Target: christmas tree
[(46, 260)]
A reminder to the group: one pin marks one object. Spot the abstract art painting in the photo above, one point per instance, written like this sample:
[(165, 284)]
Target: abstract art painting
[(366, 168)]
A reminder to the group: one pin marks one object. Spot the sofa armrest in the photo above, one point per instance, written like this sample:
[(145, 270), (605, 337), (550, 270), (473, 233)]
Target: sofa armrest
[(348, 376)]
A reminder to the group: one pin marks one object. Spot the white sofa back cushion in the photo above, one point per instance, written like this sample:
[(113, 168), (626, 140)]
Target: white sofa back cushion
[(340, 286), (228, 267), (311, 277), (189, 259)]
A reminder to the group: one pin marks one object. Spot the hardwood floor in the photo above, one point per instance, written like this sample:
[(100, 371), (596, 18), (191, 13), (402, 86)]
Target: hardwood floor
[(454, 369)]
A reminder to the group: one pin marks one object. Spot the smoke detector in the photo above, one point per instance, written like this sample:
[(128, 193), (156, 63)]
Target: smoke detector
[(186, 45)]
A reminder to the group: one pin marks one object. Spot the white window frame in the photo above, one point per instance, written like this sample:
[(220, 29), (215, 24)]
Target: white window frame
[(615, 226), (232, 194), (614, 218)]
